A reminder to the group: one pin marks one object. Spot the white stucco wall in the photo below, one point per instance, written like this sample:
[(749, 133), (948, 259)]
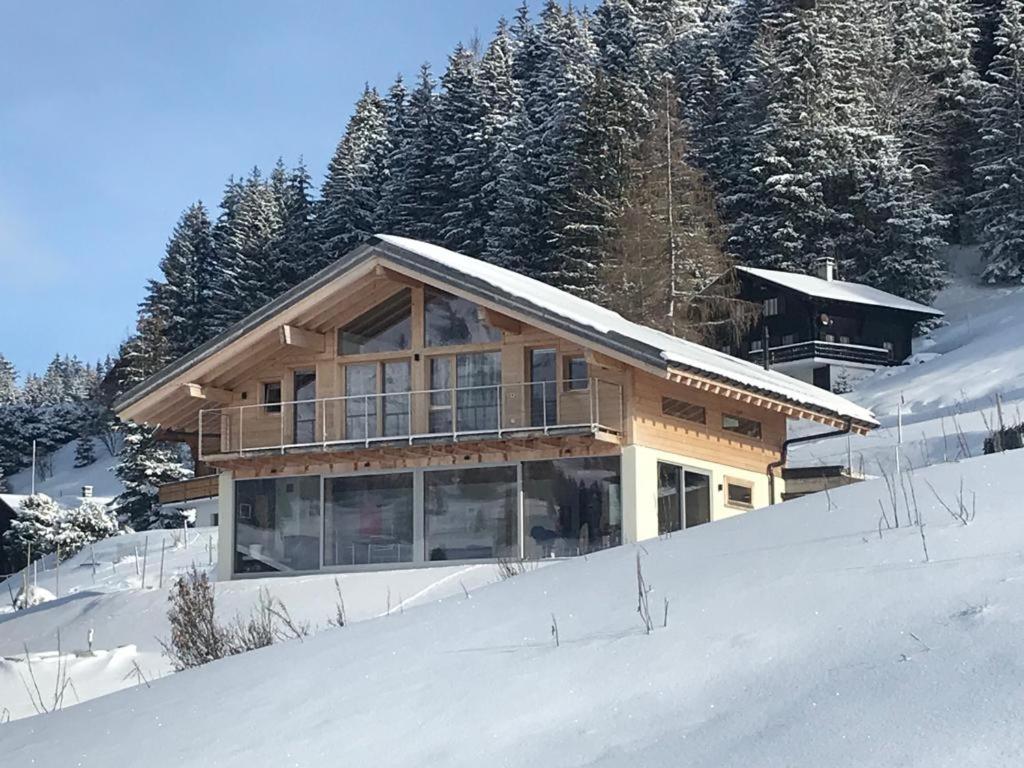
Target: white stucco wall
[(640, 488), (225, 525)]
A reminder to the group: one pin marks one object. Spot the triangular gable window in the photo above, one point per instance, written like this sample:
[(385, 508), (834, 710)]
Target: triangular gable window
[(385, 328)]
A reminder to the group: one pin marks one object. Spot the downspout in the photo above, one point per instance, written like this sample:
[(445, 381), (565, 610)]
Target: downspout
[(847, 428)]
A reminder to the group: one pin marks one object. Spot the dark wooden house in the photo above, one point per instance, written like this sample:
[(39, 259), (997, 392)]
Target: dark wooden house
[(822, 330)]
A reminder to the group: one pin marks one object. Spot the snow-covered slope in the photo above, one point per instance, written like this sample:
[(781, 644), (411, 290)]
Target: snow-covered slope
[(127, 621), (795, 636), (65, 484)]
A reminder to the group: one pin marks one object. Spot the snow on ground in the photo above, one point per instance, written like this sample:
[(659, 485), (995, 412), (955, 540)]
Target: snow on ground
[(951, 387), (795, 636), (65, 484), (127, 622)]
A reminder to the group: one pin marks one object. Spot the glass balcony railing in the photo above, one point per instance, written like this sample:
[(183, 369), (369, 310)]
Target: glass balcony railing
[(455, 414)]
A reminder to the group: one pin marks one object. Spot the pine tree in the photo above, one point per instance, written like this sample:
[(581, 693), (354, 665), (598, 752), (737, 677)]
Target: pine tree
[(464, 150), (85, 452), (182, 298), (555, 69), (667, 243), (414, 191), (145, 464), (8, 382), (352, 193), (998, 206), (782, 220), (297, 251), (936, 40)]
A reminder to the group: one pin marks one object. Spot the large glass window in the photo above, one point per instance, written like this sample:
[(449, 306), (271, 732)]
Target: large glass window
[(366, 385), (368, 519), (361, 401), (277, 524), (571, 506), (451, 320), (684, 498), (478, 379), (476, 392), (304, 410), (385, 328), (470, 514)]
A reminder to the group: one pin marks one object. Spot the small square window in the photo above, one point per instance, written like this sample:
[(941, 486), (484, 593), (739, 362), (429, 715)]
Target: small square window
[(771, 307), (756, 346), (272, 397), (829, 337), (575, 373), (739, 494), (741, 425), (789, 338), (844, 339)]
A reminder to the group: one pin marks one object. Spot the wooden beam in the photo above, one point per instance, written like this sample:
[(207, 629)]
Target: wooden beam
[(598, 360), (207, 392), (293, 336), (502, 322), (396, 277)]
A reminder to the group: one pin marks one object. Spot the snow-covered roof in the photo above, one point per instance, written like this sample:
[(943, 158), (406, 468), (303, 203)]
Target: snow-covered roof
[(838, 290), (675, 352), (523, 296)]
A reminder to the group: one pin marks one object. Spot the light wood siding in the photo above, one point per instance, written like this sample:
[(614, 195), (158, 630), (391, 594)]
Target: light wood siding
[(252, 427), (708, 442)]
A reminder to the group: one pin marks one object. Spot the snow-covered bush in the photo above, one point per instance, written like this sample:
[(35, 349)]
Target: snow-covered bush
[(196, 637), (78, 527), (35, 596), (34, 527)]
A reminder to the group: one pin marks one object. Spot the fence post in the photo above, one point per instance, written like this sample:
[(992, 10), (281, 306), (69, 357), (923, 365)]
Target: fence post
[(58, 571), (209, 548), (163, 549), (145, 558), (92, 550), (136, 548)]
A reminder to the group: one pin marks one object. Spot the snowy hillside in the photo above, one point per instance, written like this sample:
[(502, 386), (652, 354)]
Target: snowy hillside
[(65, 484), (949, 390), (795, 636), (128, 621)]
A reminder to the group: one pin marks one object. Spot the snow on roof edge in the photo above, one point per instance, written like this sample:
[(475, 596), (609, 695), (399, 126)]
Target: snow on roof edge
[(839, 290)]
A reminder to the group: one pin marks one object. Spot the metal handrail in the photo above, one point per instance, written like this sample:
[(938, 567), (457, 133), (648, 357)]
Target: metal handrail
[(500, 428)]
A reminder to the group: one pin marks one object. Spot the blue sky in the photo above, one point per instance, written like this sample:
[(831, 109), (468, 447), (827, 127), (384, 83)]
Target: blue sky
[(114, 116)]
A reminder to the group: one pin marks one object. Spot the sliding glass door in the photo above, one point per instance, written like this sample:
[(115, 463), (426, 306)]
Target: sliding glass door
[(684, 498)]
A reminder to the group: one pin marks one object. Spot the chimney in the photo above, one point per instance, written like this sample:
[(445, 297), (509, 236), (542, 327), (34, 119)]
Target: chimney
[(86, 491), (825, 268)]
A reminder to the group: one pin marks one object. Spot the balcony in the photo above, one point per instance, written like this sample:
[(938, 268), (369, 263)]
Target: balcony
[(492, 412), (824, 350)]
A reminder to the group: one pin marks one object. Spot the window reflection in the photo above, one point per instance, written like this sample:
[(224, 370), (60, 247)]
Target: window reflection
[(470, 514), (368, 519), (453, 320), (277, 524), (571, 506)]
